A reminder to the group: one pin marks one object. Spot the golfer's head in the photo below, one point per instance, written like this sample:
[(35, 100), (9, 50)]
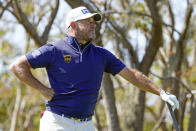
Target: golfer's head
[(82, 22)]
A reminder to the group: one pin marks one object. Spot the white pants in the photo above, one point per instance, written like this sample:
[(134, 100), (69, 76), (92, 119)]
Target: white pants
[(54, 122)]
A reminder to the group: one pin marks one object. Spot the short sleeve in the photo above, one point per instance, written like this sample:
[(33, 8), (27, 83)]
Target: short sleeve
[(113, 64), (41, 57)]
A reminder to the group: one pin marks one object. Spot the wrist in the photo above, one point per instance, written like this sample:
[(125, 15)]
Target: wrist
[(42, 88), (162, 93)]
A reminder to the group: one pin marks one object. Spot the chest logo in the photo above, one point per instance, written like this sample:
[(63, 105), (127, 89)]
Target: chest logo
[(67, 58)]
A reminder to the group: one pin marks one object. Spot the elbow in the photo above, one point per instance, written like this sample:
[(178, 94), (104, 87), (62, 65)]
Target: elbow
[(20, 68), (19, 64), (13, 67)]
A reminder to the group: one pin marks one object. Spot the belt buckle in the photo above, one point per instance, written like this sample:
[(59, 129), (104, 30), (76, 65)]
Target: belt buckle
[(75, 119)]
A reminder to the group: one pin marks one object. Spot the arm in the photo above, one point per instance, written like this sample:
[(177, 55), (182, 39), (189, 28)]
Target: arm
[(21, 68), (140, 80)]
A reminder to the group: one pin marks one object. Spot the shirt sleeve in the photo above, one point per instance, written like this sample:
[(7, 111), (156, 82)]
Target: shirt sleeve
[(41, 57), (113, 64)]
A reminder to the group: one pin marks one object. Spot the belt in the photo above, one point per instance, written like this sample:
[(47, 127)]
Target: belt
[(73, 118)]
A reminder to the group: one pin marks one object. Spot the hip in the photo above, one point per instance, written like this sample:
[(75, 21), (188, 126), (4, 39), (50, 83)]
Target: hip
[(54, 122)]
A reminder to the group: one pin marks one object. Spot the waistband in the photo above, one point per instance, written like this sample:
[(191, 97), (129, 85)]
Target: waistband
[(73, 118)]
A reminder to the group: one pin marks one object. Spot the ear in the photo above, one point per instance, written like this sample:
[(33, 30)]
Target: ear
[(72, 24)]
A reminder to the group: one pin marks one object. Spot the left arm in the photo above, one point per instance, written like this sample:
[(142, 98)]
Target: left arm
[(114, 65), (140, 80)]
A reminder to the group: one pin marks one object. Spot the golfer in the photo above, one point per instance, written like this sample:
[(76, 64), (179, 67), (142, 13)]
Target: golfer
[(75, 67)]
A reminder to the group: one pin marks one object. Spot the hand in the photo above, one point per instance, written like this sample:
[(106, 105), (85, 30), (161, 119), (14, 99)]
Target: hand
[(171, 99), (48, 93)]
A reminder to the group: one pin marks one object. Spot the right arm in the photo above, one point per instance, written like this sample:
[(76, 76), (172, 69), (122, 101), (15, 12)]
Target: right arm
[(21, 68)]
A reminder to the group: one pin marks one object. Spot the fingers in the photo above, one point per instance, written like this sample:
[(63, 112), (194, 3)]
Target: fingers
[(171, 99), (174, 107), (50, 94), (174, 103), (177, 106)]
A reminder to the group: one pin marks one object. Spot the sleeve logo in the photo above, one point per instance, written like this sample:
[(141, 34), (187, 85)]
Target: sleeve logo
[(35, 53), (67, 58)]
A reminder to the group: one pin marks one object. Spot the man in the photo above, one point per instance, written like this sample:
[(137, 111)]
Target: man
[(75, 67)]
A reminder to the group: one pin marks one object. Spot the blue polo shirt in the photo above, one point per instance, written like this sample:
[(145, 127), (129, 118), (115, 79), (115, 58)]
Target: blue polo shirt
[(74, 74)]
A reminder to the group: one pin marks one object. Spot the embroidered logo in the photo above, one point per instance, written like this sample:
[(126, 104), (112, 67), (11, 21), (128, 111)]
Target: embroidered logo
[(84, 11), (67, 58), (35, 53)]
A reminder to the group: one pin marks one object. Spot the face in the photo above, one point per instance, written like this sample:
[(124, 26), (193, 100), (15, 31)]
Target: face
[(86, 29)]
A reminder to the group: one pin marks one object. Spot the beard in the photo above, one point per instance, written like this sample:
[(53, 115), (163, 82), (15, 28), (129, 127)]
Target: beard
[(86, 35), (92, 35), (89, 36)]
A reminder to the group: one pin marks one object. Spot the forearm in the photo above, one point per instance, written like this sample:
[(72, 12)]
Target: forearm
[(140, 80)]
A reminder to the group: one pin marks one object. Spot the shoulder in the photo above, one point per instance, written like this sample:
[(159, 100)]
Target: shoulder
[(105, 52), (97, 47), (51, 46), (100, 49), (57, 45)]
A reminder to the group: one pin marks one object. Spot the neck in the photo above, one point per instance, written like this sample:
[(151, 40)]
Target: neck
[(78, 38), (81, 41)]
